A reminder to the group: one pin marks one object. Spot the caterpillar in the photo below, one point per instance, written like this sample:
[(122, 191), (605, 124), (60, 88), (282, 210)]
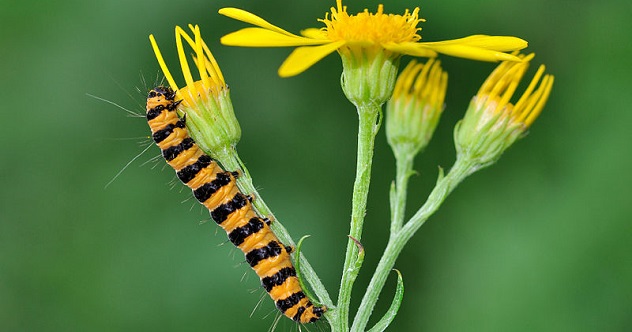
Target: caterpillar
[(216, 189)]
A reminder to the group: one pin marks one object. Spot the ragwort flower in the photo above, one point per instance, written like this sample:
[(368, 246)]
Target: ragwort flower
[(206, 101), (412, 114), (363, 34), (492, 123)]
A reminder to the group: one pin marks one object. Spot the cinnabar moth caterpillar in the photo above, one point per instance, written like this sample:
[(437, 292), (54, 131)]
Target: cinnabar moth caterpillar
[(216, 189)]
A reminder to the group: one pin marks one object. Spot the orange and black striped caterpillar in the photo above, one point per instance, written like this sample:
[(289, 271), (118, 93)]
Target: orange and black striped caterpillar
[(216, 189)]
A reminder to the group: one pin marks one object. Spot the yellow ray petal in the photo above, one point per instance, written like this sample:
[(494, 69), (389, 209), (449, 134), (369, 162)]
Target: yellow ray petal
[(244, 16), (304, 57), (496, 43), (410, 48), (472, 53), (258, 37), (162, 63), (543, 93), (314, 33), (536, 78)]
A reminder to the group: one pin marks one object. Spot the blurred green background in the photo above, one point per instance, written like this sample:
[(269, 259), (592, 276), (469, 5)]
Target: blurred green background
[(541, 241)]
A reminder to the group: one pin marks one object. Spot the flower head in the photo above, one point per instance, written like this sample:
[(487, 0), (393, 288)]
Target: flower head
[(412, 114), (492, 123), (205, 101), (367, 32)]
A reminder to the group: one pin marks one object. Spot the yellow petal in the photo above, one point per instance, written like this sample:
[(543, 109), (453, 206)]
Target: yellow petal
[(313, 33), (472, 53), (543, 94), (304, 57), (410, 48), (244, 16), (258, 37), (496, 43)]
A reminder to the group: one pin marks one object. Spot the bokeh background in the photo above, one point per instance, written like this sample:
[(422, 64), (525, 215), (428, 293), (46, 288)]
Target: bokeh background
[(541, 241)]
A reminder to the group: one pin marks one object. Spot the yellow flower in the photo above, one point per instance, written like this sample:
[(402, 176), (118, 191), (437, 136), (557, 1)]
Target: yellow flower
[(492, 123), (211, 80), (412, 114), (206, 102), (371, 32), (495, 93)]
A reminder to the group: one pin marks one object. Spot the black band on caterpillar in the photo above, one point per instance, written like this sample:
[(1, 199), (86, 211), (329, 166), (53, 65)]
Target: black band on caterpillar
[(216, 189)]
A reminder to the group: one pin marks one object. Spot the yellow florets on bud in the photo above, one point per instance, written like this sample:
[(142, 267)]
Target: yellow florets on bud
[(492, 123), (412, 114), (206, 102)]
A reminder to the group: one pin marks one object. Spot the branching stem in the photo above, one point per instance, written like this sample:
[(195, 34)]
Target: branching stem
[(398, 239)]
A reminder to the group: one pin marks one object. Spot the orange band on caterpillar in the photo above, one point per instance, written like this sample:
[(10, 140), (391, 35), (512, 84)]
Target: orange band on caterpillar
[(216, 189)]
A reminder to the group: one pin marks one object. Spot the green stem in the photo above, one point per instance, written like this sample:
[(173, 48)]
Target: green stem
[(460, 170), (369, 115), (404, 156), (231, 161)]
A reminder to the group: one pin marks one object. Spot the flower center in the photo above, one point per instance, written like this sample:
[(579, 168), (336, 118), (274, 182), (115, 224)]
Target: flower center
[(376, 28)]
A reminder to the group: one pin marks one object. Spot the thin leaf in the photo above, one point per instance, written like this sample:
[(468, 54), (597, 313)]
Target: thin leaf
[(360, 260), (393, 197), (387, 319), (299, 276)]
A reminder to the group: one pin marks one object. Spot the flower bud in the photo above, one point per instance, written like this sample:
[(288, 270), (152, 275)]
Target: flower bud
[(206, 103), (492, 124), (413, 112)]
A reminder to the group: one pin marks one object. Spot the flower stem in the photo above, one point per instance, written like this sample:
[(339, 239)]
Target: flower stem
[(398, 239), (369, 124), (231, 161), (404, 156)]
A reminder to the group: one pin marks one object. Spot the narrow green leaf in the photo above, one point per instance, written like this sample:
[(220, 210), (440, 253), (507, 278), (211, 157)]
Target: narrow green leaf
[(299, 275), (393, 197), (387, 319), (360, 260), (441, 175)]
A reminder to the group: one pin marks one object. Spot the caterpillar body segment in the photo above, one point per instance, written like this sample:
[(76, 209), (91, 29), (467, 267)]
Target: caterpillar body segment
[(216, 189)]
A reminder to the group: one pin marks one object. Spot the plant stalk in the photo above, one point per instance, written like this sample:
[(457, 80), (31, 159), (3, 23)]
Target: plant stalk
[(231, 161), (369, 123), (460, 170), (404, 159)]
